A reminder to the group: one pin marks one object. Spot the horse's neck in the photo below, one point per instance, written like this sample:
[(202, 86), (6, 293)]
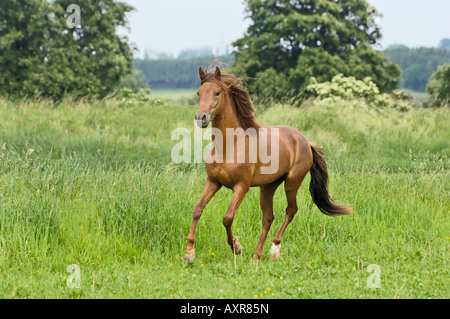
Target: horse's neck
[(228, 118)]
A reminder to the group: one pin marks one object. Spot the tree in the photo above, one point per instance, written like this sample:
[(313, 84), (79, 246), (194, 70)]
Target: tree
[(291, 41), (438, 89), (43, 54)]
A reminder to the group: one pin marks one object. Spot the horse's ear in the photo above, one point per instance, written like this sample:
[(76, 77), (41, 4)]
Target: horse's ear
[(201, 72), (218, 74)]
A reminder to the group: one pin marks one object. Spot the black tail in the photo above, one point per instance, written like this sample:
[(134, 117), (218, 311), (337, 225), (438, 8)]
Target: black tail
[(318, 186)]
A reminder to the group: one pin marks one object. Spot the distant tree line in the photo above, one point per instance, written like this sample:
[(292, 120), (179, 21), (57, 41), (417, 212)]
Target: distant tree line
[(175, 74), (418, 64)]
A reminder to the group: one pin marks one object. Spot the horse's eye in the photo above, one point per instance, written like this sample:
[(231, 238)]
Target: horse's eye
[(217, 93)]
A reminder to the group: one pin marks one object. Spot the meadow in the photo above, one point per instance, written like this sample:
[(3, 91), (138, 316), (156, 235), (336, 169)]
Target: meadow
[(181, 97), (174, 93), (93, 184)]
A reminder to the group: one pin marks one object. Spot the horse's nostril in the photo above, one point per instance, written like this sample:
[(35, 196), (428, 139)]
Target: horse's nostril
[(204, 117)]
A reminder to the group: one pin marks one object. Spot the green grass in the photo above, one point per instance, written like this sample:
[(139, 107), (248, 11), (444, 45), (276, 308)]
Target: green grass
[(173, 93), (177, 96), (93, 184)]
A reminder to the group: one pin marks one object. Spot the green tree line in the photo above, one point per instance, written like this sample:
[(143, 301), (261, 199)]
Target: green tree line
[(418, 64), (175, 73)]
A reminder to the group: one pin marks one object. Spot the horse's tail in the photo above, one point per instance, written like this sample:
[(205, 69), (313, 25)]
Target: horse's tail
[(318, 186)]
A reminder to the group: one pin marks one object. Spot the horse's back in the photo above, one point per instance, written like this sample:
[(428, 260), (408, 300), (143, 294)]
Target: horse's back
[(294, 140), (294, 155), (301, 157)]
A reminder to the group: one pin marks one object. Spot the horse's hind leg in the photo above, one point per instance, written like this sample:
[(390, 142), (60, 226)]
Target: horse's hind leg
[(291, 186), (266, 201)]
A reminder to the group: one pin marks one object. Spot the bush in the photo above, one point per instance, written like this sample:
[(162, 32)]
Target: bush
[(130, 98), (345, 87), (349, 89), (134, 81)]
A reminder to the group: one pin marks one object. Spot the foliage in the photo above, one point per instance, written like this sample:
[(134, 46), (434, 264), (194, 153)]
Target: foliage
[(289, 42), (175, 73), (143, 96), (345, 87), (438, 89), (417, 64), (40, 55), (357, 91)]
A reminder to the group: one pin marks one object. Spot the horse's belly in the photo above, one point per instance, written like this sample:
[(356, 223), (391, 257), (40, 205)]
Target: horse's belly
[(249, 174), (272, 175)]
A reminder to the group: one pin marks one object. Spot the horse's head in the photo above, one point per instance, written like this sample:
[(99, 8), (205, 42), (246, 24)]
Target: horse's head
[(210, 95)]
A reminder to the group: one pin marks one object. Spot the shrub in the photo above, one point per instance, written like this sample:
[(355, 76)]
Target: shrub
[(129, 98), (349, 88), (344, 87), (134, 81)]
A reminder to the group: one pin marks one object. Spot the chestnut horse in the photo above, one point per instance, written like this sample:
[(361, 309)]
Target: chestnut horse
[(224, 101)]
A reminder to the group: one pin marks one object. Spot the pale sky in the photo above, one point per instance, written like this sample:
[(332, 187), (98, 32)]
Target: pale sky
[(175, 25)]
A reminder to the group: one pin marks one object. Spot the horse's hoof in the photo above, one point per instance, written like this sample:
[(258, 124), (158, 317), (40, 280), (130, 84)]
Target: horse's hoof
[(237, 248), (275, 251), (255, 259), (189, 257)]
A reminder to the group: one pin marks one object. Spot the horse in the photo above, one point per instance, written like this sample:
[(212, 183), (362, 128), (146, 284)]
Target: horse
[(224, 102)]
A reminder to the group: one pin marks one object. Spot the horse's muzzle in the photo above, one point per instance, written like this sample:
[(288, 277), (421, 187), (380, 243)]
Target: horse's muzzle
[(202, 120)]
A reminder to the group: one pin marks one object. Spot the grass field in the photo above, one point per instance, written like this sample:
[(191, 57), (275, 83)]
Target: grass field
[(173, 93), (92, 184), (181, 97)]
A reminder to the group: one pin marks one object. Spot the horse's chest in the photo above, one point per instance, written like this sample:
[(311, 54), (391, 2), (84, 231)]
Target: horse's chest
[(227, 175)]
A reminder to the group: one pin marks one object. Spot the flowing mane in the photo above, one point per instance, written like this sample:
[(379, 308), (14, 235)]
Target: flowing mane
[(236, 89)]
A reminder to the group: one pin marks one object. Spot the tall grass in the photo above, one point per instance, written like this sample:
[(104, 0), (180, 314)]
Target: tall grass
[(92, 184)]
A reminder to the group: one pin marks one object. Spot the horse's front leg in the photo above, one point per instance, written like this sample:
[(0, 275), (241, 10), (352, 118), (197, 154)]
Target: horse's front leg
[(211, 187), (239, 192)]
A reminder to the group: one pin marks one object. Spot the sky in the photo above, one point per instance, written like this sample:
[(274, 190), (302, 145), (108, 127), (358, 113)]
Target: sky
[(171, 26)]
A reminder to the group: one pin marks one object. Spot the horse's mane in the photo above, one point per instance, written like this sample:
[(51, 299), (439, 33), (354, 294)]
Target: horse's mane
[(236, 88)]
